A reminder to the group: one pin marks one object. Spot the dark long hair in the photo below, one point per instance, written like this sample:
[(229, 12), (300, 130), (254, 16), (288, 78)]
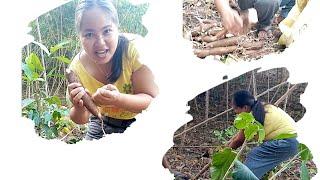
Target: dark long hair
[(123, 42), (242, 98)]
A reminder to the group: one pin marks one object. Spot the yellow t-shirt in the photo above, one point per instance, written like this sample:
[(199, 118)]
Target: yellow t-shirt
[(130, 64), (277, 122)]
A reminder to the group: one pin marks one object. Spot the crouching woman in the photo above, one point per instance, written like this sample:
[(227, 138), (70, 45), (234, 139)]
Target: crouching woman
[(280, 141)]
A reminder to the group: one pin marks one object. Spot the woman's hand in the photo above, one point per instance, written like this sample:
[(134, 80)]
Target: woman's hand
[(106, 95), (232, 21), (76, 91), (78, 112)]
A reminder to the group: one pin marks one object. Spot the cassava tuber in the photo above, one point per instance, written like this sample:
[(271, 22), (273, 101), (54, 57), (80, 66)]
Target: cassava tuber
[(87, 101)]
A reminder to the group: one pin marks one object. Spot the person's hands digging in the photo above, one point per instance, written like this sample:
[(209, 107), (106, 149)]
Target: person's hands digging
[(232, 21)]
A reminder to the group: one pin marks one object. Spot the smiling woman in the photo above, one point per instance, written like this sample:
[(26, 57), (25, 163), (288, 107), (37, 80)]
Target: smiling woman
[(109, 71)]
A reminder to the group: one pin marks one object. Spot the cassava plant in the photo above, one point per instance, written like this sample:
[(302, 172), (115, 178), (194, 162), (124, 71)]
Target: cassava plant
[(223, 161), (47, 112)]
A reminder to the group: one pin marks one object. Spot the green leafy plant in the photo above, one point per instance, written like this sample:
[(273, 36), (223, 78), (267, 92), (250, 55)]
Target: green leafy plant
[(223, 161), (224, 135), (46, 111)]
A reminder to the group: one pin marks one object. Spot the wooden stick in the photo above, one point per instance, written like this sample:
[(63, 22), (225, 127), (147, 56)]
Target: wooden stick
[(202, 171), (202, 123), (283, 97)]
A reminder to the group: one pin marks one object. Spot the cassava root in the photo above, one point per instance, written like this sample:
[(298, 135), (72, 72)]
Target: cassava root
[(87, 101)]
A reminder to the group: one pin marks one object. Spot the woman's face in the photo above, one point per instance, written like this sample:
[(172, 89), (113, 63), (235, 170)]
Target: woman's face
[(98, 35), (239, 110)]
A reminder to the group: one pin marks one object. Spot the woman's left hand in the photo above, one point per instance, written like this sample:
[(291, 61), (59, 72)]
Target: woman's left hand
[(106, 95)]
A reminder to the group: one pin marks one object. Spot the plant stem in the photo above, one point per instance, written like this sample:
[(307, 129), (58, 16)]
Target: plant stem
[(42, 58), (238, 154)]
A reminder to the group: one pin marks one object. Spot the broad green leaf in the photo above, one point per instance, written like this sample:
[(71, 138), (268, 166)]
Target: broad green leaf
[(43, 47), (34, 63), (35, 116), (247, 116), (239, 123), (35, 76), (56, 115), (243, 119), (26, 102), (250, 131), (58, 46), (304, 171), (63, 59), (53, 100), (27, 71), (47, 117), (50, 132), (305, 152), (221, 162)]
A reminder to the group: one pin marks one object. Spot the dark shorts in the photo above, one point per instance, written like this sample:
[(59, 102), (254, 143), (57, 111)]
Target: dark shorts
[(110, 125)]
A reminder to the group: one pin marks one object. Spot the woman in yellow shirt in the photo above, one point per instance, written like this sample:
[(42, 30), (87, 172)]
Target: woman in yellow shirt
[(109, 70), (280, 142)]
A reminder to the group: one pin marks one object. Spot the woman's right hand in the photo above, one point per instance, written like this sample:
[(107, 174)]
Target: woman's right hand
[(232, 21), (76, 91)]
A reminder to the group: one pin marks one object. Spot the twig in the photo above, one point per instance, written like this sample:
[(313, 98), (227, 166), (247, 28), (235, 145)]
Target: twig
[(268, 87), (202, 123), (286, 100), (238, 154), (202, 171), (102, 127), (254, 85), (285, 95), (206, 114), (67, 134)]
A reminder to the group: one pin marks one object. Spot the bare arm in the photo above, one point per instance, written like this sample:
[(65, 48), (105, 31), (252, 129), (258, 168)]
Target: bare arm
[(230, 18), (237, 140)]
